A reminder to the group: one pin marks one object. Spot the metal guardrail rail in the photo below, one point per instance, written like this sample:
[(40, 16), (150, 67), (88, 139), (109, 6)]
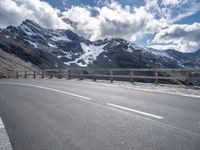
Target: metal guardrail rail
[(181, 76)]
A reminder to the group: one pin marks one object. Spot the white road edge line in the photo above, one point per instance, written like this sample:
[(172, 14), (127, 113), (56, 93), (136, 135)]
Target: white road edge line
[(47, 88), (4, 139), (135, 111), (1, 124)]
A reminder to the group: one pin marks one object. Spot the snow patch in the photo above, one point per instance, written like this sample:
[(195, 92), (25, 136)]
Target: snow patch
[(149, 50), (90, 54), (159, 53), (129, 50), (26, 29), (67, 54), (61, 38), (32, 43), (7, 36), (52, 45)]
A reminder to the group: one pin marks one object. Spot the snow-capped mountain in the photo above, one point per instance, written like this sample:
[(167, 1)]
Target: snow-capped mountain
[(65, 44), (75, 51)]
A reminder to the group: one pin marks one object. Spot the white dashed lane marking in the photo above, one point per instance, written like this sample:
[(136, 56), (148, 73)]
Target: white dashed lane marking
[(135, 111)]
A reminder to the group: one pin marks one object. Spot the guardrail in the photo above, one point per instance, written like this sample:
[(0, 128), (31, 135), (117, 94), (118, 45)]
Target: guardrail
[(180, 76)]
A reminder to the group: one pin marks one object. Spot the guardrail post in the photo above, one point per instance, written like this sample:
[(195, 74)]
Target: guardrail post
[(8, 74), (25, 74), (131, 76), (156, 76), (60, 74), (111, 76), (51, 75), (81, 74), (187, 78), (65, 74), (42, 74), (69, 74), (17, 74), (34, 74), (94, 75)]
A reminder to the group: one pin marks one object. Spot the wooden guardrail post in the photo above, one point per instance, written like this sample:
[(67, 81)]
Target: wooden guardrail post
[(131, 76), (81, 74), (156, 76), (8, 72), (60, 74), (186, 78), (42, 74), (25, 74), (94, 75), (111, 76), (69, 74), (51, 75), (34, 74), (17, 74)]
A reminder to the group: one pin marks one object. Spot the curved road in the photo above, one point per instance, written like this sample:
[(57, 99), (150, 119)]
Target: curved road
[(77, 115)]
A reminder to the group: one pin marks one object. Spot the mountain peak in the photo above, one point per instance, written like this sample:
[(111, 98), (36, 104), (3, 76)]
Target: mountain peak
[(30, 23)]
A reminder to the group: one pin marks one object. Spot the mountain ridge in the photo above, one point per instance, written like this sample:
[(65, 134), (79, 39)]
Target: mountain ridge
[(67, 49)]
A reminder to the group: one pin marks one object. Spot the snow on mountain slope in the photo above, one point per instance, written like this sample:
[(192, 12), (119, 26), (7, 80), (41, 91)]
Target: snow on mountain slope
[(90, 53), (159, 52), (60, 38)]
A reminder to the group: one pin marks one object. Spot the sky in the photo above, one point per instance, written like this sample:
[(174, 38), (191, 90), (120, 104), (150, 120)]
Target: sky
[(160, 24)]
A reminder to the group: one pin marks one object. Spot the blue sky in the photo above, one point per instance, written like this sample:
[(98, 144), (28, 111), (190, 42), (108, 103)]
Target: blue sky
[(62, 4), (161, 24)]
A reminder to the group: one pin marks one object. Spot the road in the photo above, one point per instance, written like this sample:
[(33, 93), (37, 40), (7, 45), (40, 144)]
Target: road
[(76, 115)]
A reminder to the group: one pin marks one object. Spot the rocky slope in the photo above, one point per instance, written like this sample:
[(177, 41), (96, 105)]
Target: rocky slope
[(18, 48)]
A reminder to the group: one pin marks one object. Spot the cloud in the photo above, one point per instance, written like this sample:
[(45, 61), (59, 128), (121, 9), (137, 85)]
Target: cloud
[(172, 2), (172, 10), (128, 22), (185, 37), (113, 20), (13, 12), (86, 24)]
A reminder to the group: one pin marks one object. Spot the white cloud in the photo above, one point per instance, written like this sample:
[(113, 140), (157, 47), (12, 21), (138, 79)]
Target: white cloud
[(185, 37), (86, 24), (172, 2), (13, 12), (172, 10), (111, 19), (131, 23), (114, 20)]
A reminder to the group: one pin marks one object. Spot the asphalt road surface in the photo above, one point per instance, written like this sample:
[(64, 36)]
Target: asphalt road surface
[(75, 115)]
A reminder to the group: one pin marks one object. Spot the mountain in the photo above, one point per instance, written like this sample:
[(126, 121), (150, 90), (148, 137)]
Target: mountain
[(60, 48), (12, 44), (186, 59)]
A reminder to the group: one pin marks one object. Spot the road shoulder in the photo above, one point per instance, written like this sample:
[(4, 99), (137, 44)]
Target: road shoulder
[(4, 139)]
